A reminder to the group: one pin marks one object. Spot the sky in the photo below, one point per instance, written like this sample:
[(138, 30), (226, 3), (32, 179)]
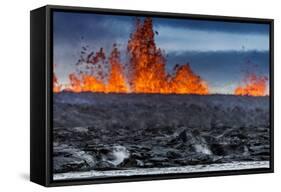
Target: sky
[(220, 52)]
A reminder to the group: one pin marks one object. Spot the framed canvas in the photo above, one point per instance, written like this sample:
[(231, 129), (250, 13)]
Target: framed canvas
[(123, 95)]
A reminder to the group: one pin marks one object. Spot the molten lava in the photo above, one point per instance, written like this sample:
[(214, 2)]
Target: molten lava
[(185, 81), (116, 79), (254, 86), (147, 69), (147, 63), (56, 85), (75, 83), (145, 72)]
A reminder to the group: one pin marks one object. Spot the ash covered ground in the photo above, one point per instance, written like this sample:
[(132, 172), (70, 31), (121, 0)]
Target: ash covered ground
[(105, 132)]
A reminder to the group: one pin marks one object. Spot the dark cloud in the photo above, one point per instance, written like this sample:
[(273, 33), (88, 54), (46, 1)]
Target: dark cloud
[(72, 27), (69, 25), (220, 26)]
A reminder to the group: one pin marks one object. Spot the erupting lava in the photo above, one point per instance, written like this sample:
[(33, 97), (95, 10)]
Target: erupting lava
[(147, 69), (185, 81), (145, 72), (116, 78), (56, 85), (254, 86)]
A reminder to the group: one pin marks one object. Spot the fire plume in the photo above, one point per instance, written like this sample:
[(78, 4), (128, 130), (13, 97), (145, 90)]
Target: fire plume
[(185, 81), (144, 73), (147, 63), (56, 85), (254, 86), (116, 78)]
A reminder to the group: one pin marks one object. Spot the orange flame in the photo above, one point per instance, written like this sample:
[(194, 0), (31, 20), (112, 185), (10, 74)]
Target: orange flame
[(254, 86), (147, 64), (116, 79), (145, 72), (56, 85), (185, 81)]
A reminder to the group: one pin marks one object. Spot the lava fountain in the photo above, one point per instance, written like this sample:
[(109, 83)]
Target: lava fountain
[(144, 73), (254, 85), (56, 85)]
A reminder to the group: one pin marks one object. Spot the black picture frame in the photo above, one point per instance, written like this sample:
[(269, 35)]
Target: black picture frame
[(41, 55)]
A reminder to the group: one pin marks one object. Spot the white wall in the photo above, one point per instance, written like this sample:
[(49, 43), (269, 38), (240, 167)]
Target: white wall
[(14, 97)]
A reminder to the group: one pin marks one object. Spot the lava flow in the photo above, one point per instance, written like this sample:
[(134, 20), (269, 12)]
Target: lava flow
[(254, 86), (144, 73)]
